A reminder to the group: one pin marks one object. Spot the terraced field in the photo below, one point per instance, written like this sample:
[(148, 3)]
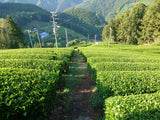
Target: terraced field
[(28, 81), (128, 79)]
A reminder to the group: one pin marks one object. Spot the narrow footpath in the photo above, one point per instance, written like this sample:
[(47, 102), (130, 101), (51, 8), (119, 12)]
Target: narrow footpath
[(80, 105), (80, 86)]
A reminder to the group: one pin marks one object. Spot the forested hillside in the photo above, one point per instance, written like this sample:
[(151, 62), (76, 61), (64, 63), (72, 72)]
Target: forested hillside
[(139, 25), (83, 21), (107, 8), (23, 13), (50, 5)]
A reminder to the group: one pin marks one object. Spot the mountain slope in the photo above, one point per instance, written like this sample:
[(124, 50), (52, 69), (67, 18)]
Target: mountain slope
[(23, 13), (108, 8), (83, 21), (105, 8), (80, 20), (50, 5)]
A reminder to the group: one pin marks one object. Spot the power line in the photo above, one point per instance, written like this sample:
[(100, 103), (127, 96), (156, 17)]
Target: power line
[(35, 30)]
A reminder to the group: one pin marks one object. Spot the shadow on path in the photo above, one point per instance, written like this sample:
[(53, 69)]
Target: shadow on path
[(80, 105), (79, 82)]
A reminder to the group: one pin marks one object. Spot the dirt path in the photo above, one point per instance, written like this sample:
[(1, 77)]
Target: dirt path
[(80, 107)]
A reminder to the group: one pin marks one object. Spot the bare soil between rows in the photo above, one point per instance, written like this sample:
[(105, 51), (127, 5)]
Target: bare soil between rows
[(80, 106)]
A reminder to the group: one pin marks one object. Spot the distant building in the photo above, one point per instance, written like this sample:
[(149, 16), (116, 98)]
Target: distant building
[(44, 35)]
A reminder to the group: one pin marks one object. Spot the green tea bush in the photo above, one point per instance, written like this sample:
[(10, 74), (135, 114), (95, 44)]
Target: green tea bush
[(50, 65), (114, 83), (133, 107), (26, 93)]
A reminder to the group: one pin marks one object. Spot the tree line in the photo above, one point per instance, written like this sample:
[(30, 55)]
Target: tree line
[(11, 35), (139, 25)]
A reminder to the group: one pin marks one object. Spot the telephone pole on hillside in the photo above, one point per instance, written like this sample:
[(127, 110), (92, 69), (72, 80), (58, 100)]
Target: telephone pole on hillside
[(54, 27), (110, 36), (95, 38), (66, 37), (88, 39)]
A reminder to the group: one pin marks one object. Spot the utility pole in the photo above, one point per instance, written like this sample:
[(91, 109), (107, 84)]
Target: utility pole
[(110, 36), (95, 38), (38, 39), (30, 38), (66, 37), (54, 27), (35, 30), (88, 39)]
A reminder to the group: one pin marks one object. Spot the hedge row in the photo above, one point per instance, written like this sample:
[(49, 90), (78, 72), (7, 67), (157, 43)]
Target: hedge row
[(26, 93), (133, 107), (123, 59), (113, 83), (29, 80), (128, 79), (50, 65)]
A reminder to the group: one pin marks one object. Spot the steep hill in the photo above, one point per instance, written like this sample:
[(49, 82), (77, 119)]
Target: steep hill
[(105, 8), (83, 21), (108, 8), (50, 5), (23, 13), (80, 20)]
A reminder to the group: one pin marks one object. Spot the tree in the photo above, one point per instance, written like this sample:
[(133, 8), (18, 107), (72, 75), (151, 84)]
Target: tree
[(127, 28), (151, 23), (3, 42), (114, 24), (124, 24), (105, 33), (15, 36), (135, 23)]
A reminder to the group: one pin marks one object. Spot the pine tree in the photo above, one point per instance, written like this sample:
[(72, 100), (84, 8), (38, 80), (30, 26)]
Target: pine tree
[(124, 24), (105, 33), (15, 35), (135, 23), (114, 24), (151, 23), (3, 42)]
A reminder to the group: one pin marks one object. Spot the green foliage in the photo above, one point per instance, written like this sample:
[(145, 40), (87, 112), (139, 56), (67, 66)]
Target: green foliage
[(3, 37), (29, 80), (97, 101), (59, 44), (74, 42), (50, 65), (50, 5), (107, 8), (105, 33), (136, 26), (24, 91), (135, 107), (114, 83), (128, 71), (23, 13), (11, 35), (82, 21), (151, 23)]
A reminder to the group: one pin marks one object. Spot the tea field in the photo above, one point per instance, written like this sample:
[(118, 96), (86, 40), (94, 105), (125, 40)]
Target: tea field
[(128, 79), (29, 80)]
